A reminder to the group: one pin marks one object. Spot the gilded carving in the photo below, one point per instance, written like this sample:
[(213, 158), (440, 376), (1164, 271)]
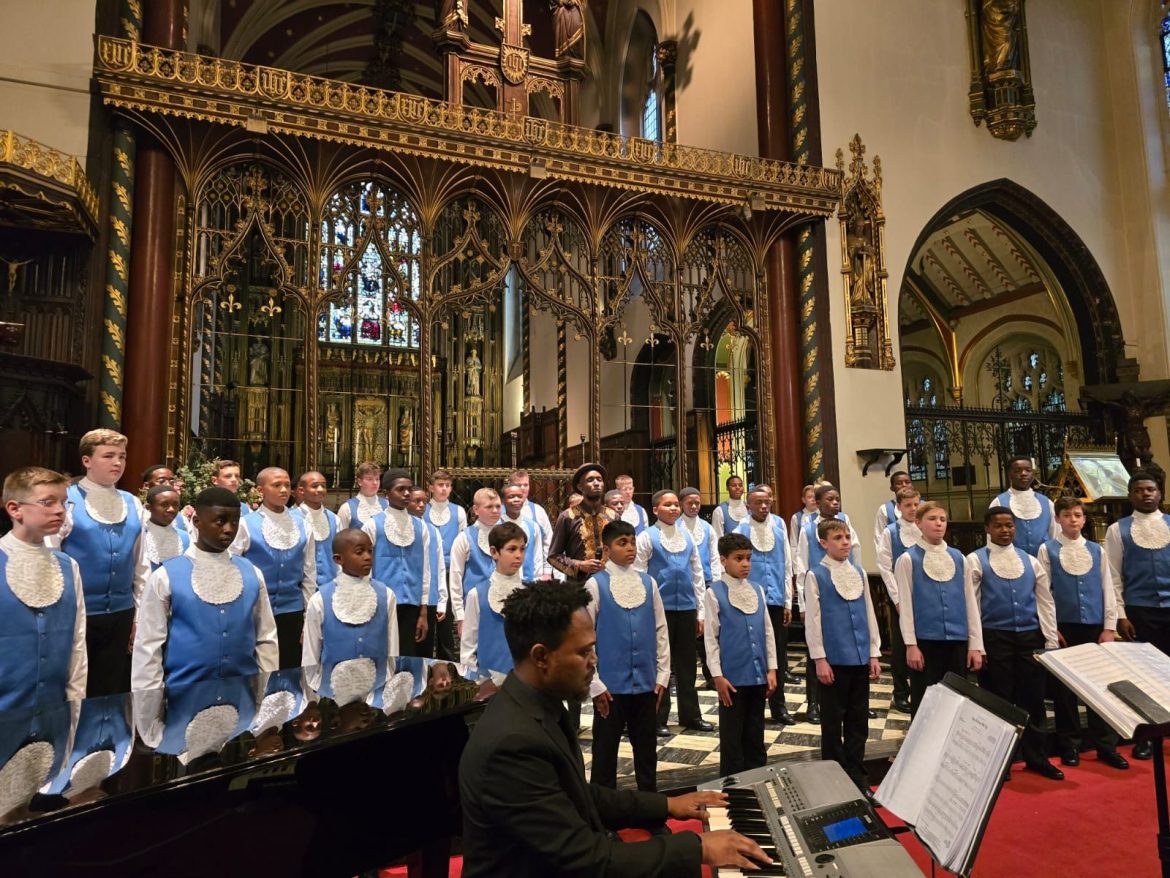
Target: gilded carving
[(1001, 76)]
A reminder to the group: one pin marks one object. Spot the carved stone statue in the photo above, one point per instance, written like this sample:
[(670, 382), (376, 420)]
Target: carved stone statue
[(1001, 36), (453, 15), (863, 285), (364, 434), (569, 28), (473, 368), (258, 364), (332, 430), (405, 428)]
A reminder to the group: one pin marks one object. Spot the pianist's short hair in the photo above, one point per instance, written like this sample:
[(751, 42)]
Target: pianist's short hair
[(504, 532), (541, 613), (20, 482)]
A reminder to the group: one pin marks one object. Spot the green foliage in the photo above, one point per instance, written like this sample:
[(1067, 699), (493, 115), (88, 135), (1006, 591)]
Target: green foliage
[(196, 476)]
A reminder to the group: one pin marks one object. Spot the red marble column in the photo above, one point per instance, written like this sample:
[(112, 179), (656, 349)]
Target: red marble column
[(772, 117), (152, 242)]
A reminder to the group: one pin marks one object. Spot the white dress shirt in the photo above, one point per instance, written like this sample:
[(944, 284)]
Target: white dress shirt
[(284, 518), (800, 562), (368, 507), (404, 520), (910, 534), (646, 549), (661, 635), (904, 577), (537, 513), (691, 523), (540, 567), (460, 552), (315, 622), (711, 629), (1045, 603), (882, 520), (1109, 596), (1053, 524), (469, 639), (739, 513), (814, 636), (1115, 552)]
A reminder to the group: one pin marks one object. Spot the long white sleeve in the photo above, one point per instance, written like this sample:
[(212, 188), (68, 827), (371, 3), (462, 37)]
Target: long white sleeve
[(1045, 604), (267, 648), (972, 577), (880, 522), (460, 552), (711, 633), (1115, 558), (885, 565), (78, 658), (314, 625), (904, 582), (426, 564), (697, 580), (546, 532), (150, 638), (469, 642)]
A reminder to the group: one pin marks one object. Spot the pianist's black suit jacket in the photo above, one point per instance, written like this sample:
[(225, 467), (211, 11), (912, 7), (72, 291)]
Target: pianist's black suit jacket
[(528, 811)]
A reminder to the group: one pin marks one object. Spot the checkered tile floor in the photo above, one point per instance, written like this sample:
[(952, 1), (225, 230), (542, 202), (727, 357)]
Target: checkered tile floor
[(687, 749)]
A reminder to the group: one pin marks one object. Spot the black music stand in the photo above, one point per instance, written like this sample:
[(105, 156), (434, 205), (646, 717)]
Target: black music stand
[(1157, 735)]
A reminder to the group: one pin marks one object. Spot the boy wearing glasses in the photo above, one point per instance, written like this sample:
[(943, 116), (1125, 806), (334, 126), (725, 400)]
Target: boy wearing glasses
[(42, 608)]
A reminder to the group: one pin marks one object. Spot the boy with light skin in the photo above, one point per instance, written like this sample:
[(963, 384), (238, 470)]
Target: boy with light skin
[(161, 539), (632, 513), (888, 511), (284, 550), (450, 520), (226, 474), (1086, 612), (471, 560), (844, 641), (356, 511), (536, 565), (708, 545), (742, 655), (41, 597), (941, 627), (482, 642), (533, 510), (310, 495), (437, 597), (102, 532), (898, 536), (727, 516)]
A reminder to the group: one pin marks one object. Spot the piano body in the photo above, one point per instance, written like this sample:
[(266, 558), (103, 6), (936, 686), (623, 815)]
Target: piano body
[(812, 821), (254, 776)]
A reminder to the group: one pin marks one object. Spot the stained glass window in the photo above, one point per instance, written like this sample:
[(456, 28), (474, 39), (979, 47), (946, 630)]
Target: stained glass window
[(1166, 56), (651, 129)]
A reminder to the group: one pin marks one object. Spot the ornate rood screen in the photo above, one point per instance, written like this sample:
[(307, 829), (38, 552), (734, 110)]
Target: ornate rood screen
[(369, 274)]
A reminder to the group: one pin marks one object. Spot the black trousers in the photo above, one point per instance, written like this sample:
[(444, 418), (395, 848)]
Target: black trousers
[(289, 627), (1064, 702), (1152, 625), (1012, 673), (407, 617), (634, 714), (107, 648), (780, 638), (680, 627), (445, 637), (741, 730), (939, 656), (845, 720), (899, 670), (426, 649), (812, 686)]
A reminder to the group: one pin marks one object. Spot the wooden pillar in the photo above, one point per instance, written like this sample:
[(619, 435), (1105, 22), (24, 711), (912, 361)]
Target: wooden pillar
[(772, 105), (148, 329)]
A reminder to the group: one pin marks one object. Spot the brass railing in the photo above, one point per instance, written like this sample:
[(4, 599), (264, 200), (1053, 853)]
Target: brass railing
[(30, 155)]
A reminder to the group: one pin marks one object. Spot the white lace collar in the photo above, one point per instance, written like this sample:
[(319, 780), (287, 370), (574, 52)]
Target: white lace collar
[(481, 537), (1074, 555), (1024, 504), (937, 561), (354, 599), (397, 691), (741, 594), (762, 535), (692, 523), (34, 573), (214, 576), (161, 542), (631, 515), (1149, 530), (1005, 561), (1065, 541), (90, 770), (399, 527), (440, 512), (625, 586), (279, 529), (847, 579), (209, 730), (368, 507), (908, 532), (24, 773), (500, 587), (104, 503), (737, 509), (672, 539), (318, 522), (352, 680), (275, 710)]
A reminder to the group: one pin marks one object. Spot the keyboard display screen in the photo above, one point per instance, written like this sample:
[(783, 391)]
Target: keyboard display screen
[(844, 829)]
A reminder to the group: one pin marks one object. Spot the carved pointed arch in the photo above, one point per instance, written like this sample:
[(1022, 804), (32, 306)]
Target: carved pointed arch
[(470, 255), (554, 260)]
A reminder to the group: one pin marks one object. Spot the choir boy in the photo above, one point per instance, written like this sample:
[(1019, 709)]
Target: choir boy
[(360, 510), (1138, 547), (742, 653), (843, 640), (899, 535), (284, 550), (532, 509), (771, 566), (616, 501), (205, 615), (402, 560), (536, 565), (667, 552), (226, 474), (102, 532), (321, 522), (808, 508), (162, 540), (1035, 521), (1019, 618), (937, 610), (726, 517), (417, 506), (153, 476), (352, 616), (887, 513), (450, 520), (471, 556), (482, 643), (1086, 612), (42, 605), (627, 613), (707, 543), (632, 513)]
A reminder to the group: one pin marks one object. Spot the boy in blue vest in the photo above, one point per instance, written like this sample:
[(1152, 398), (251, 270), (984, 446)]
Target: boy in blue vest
[(742, 654), (632, 513), (899, 535), (352, 616), (42, 606), (887, 513), (772, 569), (536, 564), (417, 506), (728, 515), (937, 610), (450, 520), (471, 558), (162, 540), (1086, 612), (843, 640), (322, 523), (482, 645), (708, 545), (226, 474), (102, 532), (360, 510), (402, 560), (1035, 521), (808, 508), (1019, 617), (667, 552), (284, 549), (1138, 547), (206, 614), (633, 660), (533, 510)]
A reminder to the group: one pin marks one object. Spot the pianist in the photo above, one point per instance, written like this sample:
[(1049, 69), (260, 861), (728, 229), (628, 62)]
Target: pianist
[(527, 810)]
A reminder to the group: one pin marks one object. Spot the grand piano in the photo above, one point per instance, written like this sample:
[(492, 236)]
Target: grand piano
[(310, 771)]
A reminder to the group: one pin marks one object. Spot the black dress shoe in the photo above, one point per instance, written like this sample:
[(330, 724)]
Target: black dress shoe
[(1007, 775), (1070, 758), (871, 713), (1113, 759), (790, 677), (700, 726), (900, 705), (1143, 750), (662, 732), (784, 718), (814, 714), (1046, 769)]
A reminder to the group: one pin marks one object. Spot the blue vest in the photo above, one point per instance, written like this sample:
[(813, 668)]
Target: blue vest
[(102, 724), (447, 531), (36, 645), (436, 546), (1145, 573), (46, 722), (491, 647), (352, 503), (743, 654), (771, 569), (729, 523), (185, 702), (1008, 604), (703, 544), (479, 566), (209, 641), (105, 555), (627, 640), (672, 571), (897, 547), (184, 543), (373, 695), (326, 567), (400, 567), (528, 571), (940, 608), (530, 513), (283, 569), (1030, 534), (891, 511), (1079, 599), (341, 641), (641, 516), (844, 624)]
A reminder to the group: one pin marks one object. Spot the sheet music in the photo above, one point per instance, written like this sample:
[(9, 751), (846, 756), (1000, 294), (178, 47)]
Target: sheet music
[(904, 788), (1088, 669), (1150, 668)]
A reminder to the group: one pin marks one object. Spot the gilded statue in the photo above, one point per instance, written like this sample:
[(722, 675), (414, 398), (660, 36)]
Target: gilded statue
[(569, 28), (473, 368), (1001, 37), (405, 428), (258, 364), (365, 429), (863, 278), (453, 15), (332, 427)]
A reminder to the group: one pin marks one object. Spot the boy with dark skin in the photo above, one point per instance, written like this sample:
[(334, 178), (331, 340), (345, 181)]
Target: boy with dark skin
[(727, 516), (888, 511), (403, 562), (161, 539), (1035, 519), (310, 495), (437, 599)]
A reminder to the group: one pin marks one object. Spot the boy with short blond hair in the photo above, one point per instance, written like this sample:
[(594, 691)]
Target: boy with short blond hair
[(899, 535), (357, 511), (42, 606), (228, 474), (471, 558)]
